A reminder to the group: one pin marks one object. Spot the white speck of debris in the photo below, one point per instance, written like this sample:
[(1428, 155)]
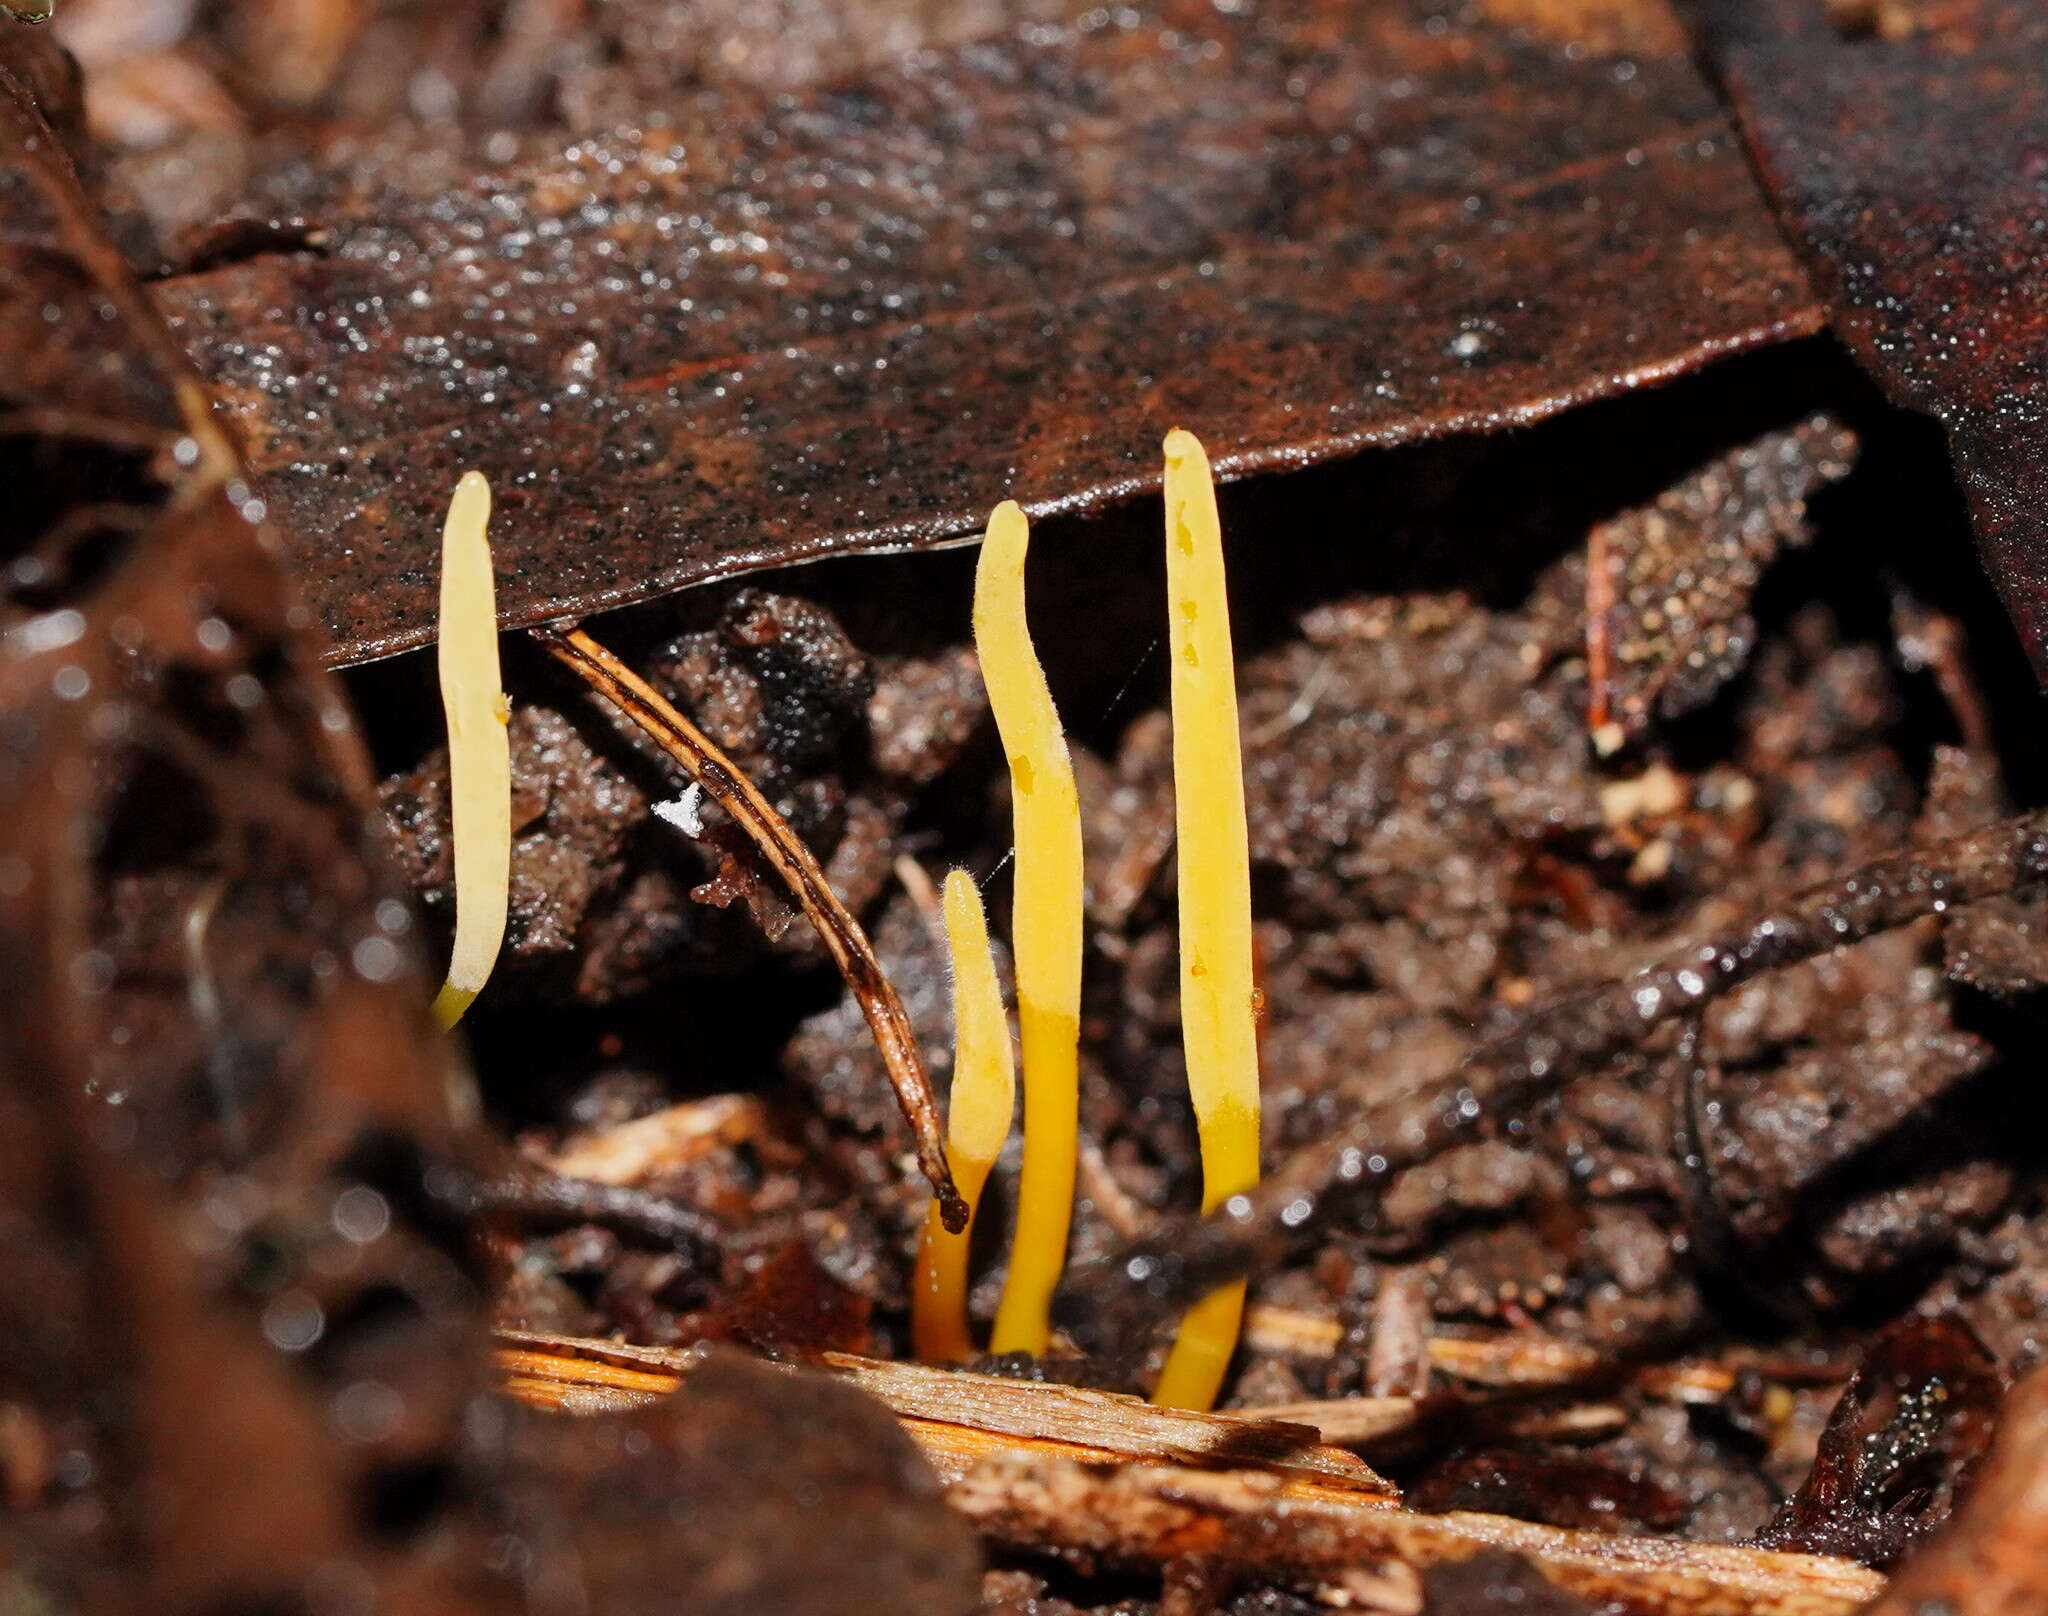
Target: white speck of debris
[(686, 813)]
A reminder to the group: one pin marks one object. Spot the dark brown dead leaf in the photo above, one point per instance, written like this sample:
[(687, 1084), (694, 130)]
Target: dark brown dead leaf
[(1912, 168), (792, 1308), (1492, 1580), (1556, 1486), (757, 330), (1900, 1447)]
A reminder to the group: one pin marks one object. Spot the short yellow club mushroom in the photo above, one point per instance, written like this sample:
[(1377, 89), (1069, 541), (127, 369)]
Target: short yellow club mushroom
[(977, 1123)]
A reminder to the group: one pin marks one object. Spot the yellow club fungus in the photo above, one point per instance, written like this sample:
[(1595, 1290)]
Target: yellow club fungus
[(977, 1123), (1218, 1008), (479, 748), (1045, 930)]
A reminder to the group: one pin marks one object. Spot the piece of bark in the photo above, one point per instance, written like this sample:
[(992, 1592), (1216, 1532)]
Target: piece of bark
[(1145, 1515), (1668, 585), (1101, 1424), (658, 1143), (1520, 1358), (1398, 1363)]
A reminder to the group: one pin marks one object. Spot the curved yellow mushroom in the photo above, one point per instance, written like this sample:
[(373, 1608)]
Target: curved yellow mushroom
[(1045, 930), (479, 748)]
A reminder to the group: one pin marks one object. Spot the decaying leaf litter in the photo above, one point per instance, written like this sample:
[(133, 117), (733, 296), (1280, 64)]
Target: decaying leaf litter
[(1634, 1300)]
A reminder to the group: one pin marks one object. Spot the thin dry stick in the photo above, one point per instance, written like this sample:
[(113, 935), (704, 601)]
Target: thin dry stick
[(523, 1190), (848, 945), (965, 1416), (1120, 1297)]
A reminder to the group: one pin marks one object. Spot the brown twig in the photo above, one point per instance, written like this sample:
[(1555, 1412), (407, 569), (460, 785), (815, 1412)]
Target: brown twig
[(525, 1191), (848, 945), (1122, 1296), (1599, 633)]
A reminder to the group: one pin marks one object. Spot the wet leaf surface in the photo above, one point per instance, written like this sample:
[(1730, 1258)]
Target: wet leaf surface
[(1915, 171), (765, 329)]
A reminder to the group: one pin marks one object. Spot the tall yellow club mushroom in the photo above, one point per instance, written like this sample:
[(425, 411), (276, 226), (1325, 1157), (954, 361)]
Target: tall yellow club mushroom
[(977, 1123), (479, 748), (1045, 930), (1218, 1007)]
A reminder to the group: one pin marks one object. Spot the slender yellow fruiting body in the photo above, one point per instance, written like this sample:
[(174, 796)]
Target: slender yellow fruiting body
[(479, 748), (1045, 930), (977, 1123), (1218, 1007)]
